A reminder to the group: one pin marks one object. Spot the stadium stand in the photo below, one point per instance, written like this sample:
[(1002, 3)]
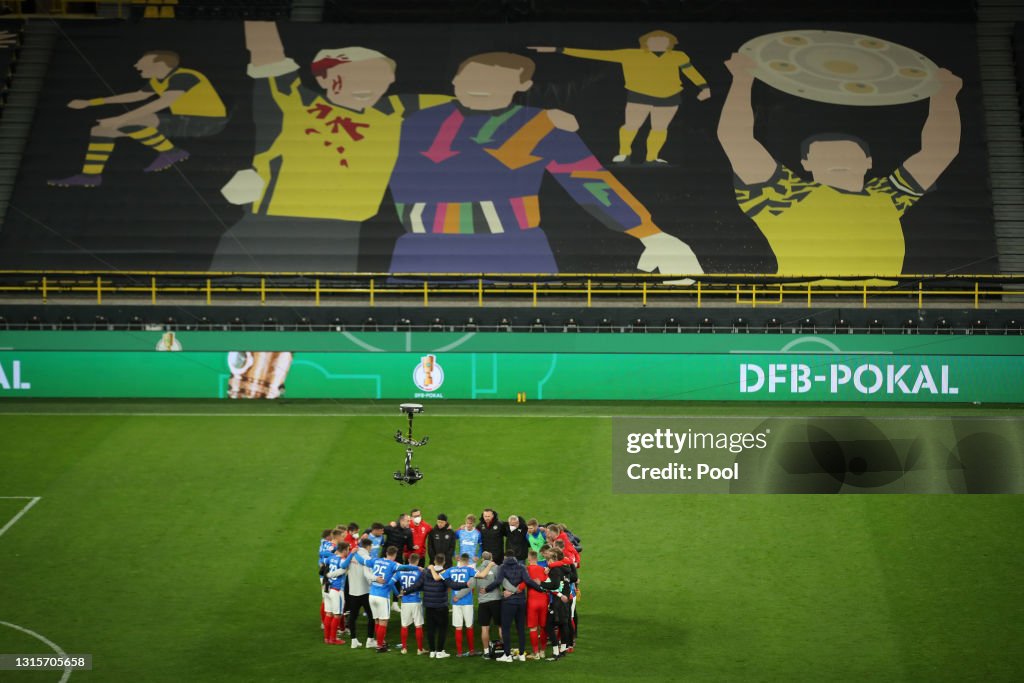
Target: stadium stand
[(662, 10), (240, 9), (10, 42), (140, 238), (667, 320)]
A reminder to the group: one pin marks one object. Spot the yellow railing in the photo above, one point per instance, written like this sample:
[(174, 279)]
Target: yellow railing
[(373, 289)]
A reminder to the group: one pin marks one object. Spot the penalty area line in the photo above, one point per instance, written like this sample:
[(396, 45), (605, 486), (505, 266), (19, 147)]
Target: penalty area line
[(28, 506)]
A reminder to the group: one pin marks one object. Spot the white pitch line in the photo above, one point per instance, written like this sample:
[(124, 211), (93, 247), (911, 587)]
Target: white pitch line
[(28, 506), (333, 415), (511, 415), (54, 646)]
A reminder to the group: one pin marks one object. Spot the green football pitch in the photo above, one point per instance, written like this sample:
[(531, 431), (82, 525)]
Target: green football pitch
[(175, 542)]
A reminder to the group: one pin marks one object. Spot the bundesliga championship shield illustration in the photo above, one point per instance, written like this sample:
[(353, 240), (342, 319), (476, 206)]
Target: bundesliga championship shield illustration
[(842, 68)]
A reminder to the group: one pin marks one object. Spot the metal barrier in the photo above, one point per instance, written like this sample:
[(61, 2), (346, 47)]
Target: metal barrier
[(748, 290)]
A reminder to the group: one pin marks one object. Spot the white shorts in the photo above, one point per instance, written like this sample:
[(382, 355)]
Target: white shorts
[(334, 601), (380, 608), (412, 613), (462, 615)]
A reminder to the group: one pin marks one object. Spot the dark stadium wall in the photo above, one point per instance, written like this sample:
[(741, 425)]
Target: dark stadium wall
[(275, 317), (176, 219), (10, 31), (1018, 55)]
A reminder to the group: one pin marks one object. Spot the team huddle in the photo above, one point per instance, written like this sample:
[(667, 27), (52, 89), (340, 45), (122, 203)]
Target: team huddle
[(518, 570)]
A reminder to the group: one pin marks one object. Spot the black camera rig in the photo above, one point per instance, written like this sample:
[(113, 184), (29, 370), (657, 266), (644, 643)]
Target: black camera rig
[(411, 474)]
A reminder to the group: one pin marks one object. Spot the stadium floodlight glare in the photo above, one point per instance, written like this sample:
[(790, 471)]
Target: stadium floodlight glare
[(409, 475)]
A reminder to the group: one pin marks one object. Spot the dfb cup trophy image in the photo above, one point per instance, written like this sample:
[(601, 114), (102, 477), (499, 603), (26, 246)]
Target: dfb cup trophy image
[(428, 371), (410, 475), (258, 374)]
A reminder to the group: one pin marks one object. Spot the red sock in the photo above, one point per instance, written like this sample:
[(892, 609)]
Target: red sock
[(458, 640), (419, 637), (469, 632), (332, 629), (323, 610), (382, 634), (534, 639), (341, 625), (405, 636)]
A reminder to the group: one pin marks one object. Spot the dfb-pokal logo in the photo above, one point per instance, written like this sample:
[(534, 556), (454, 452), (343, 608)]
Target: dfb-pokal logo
[(428, 375)]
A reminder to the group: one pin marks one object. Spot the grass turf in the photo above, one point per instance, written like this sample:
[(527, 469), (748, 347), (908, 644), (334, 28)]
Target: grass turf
[(174, 543)]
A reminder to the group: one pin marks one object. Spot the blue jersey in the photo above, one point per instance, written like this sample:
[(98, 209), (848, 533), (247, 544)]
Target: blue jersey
[(406, 578), (378, 543), (469, 543), (334, 563), (383, 568), (460, 575), (325, 552)]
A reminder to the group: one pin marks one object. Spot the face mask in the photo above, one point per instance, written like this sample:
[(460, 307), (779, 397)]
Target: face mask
[(417, 520)]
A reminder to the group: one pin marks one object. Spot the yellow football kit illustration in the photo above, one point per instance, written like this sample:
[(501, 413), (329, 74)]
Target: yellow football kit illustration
[(815, 229)]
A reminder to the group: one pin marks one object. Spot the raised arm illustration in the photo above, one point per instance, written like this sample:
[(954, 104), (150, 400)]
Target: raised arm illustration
[(263, 42), (750, 161), (940, 136)]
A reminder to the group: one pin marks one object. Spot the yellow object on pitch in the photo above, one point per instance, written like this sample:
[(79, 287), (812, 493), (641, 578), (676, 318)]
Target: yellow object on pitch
[(521, 397)]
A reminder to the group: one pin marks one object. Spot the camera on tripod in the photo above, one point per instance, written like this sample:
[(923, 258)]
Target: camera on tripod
[(410, 475)]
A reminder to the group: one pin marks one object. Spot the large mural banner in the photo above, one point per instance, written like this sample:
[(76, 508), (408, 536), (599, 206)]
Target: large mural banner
[(830, 153)]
